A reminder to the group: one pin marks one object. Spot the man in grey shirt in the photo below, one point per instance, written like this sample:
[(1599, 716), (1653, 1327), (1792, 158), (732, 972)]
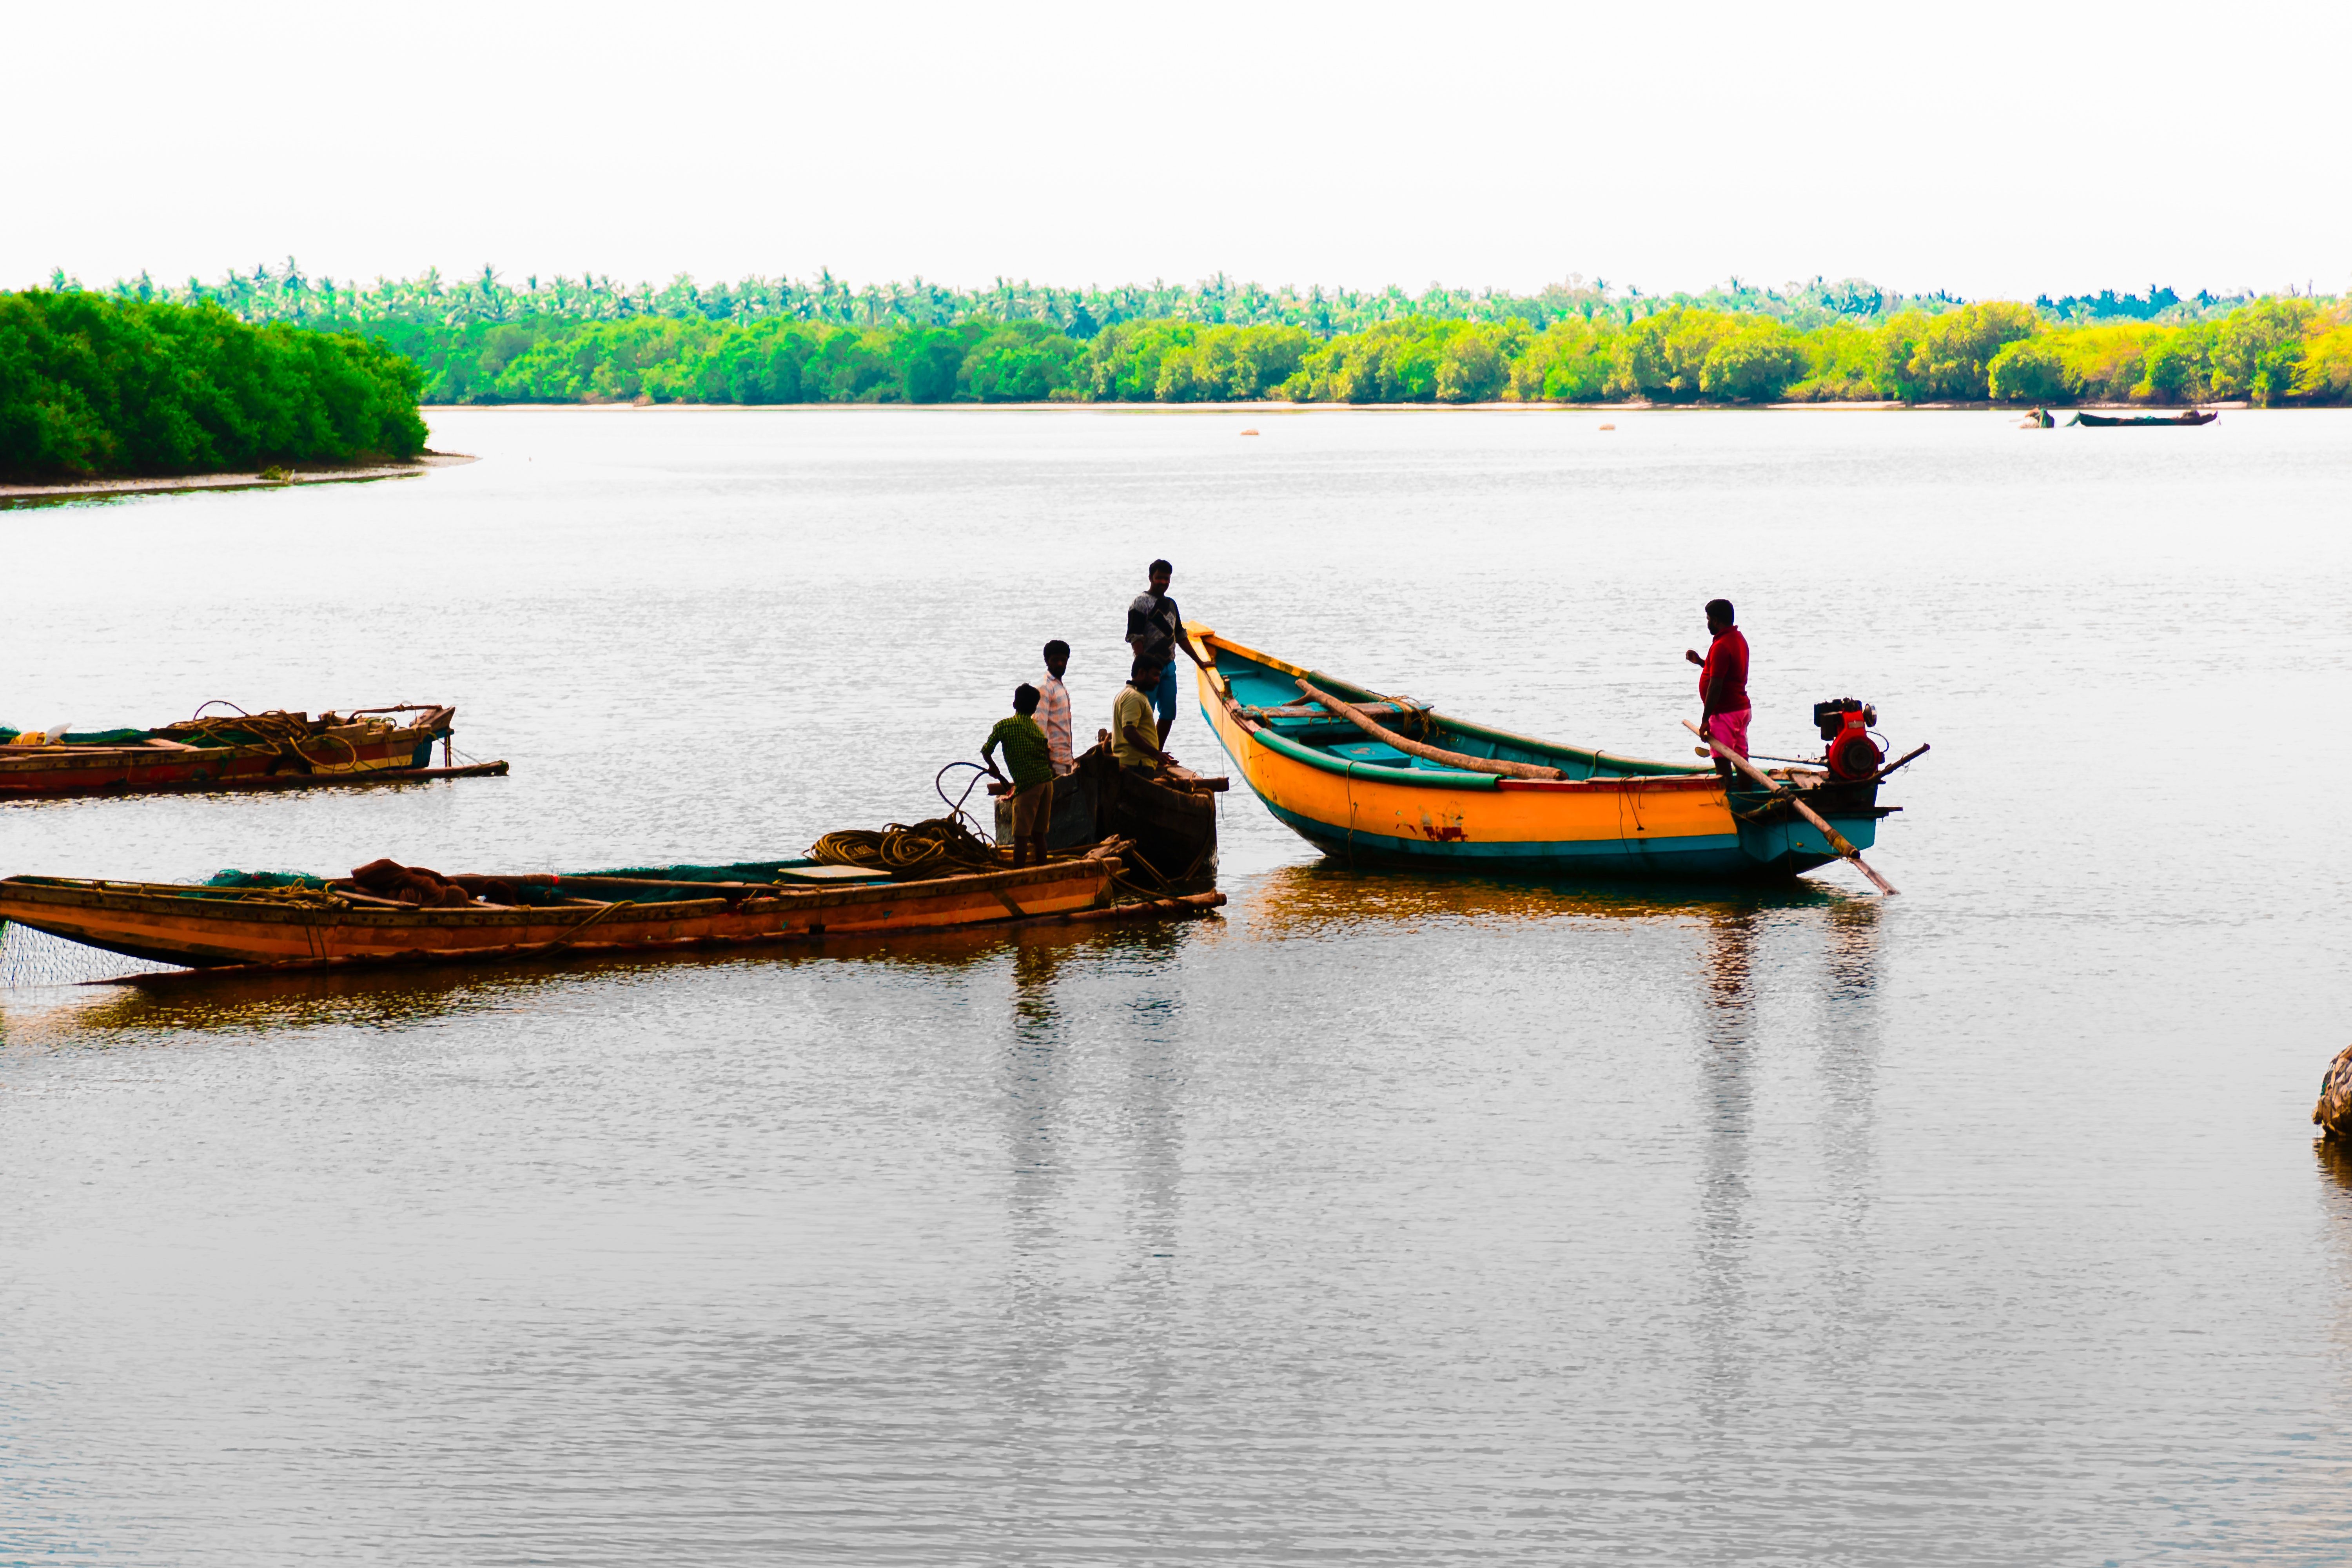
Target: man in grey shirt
[(1155, 630)]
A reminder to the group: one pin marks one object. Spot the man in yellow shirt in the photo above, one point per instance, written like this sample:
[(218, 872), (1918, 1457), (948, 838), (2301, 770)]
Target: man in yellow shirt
[(1134, 726)]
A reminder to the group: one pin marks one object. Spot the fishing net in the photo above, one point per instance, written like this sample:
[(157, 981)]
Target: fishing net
[(85, 737), (31, 958), (264, 879)]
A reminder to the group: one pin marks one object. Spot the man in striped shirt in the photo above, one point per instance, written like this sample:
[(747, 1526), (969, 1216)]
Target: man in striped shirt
[(1053, 706)]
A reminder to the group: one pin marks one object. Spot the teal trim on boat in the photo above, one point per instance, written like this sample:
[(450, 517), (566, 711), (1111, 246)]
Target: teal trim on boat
[(1423, 778)]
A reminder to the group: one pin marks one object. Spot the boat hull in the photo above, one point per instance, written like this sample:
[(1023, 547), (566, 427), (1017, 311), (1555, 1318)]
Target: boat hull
[(2144, 421), (1172, 831), (206, 928), (1655, 822), (55, 772)]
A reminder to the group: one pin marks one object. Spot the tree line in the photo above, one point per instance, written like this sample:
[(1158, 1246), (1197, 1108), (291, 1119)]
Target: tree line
[(98, 384), (93, 386), (288, 294), (2272, 351)]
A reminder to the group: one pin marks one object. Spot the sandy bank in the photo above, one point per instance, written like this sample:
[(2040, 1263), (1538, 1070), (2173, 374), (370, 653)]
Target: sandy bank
[(301, 474)]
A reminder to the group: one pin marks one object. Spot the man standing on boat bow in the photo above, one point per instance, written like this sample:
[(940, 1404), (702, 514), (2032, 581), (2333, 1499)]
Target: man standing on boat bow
[(1723, 683), (1155, 630)]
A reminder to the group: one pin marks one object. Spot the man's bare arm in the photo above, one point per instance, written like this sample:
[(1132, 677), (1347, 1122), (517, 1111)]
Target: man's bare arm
[(1147, 741)]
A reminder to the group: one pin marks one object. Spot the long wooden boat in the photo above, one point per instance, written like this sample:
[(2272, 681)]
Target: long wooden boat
[(231, 751), (2108, 421), (1356, 796), (312, 924), (1169, 818)]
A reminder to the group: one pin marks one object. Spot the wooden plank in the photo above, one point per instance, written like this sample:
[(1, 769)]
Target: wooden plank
[(121, 777), (1197, 784), (1461, 760), (1707, 781), (1299, 711), (837, 875)]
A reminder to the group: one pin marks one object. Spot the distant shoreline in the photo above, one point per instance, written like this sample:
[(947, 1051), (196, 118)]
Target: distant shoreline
[(1163, 410), (166, 484)]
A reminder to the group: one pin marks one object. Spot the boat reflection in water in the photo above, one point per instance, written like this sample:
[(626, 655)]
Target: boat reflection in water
[(1744, 968), (2334, 1160), (1764, 1071), (1304, 899)]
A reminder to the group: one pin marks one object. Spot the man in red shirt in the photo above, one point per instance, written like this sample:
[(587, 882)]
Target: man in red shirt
[(1723, 683)]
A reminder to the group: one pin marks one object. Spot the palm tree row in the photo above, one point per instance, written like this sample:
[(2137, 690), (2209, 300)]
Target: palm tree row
[(288, 294)]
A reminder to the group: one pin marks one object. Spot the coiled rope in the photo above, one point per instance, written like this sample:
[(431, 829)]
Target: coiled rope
[(284, 733), (904, 849)]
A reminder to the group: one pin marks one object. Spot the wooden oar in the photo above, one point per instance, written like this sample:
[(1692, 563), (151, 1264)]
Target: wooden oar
[(1914, 755), (1837, 841), (1414, 748)]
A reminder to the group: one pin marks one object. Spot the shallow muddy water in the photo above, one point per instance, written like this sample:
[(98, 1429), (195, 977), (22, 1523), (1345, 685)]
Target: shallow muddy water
[(1386, 1218)]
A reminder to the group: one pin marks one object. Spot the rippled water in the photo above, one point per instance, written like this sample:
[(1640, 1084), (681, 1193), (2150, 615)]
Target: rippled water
[(1388, 1219)]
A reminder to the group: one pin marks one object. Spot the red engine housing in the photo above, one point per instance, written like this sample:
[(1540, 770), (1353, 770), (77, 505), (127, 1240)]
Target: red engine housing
[(1845, 733)]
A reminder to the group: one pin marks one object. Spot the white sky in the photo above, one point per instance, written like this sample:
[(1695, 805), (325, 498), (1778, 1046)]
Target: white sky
[(1991, 149)]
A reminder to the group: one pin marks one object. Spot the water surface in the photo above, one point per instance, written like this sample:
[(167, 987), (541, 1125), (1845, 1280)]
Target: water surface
[(1387, 1219)]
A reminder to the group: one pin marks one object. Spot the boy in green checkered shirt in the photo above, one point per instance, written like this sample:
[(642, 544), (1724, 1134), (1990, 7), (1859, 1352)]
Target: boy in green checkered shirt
[(1026, 753)]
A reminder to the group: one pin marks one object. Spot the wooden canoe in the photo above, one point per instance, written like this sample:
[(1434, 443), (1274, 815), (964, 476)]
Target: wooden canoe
[(314, 927), (1360, 798), (2109, 421), (275, 750)]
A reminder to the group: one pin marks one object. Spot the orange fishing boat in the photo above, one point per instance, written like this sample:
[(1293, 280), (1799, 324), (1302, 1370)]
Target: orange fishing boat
[(284, 923)]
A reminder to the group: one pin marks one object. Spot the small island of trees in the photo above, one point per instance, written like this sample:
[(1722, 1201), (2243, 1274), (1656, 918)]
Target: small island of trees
[(91, 385)]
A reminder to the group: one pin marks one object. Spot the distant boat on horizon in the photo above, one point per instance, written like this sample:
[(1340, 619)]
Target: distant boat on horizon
[(2103, 421)]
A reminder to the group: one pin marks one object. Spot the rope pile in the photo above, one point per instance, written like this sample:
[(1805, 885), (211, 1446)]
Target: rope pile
[(902, 849), (283, 733)]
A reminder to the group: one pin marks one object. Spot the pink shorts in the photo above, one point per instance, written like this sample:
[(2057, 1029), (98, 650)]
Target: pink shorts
[(1730, 729)]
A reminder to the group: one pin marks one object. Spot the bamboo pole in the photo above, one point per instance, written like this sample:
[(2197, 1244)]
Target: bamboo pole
[(1837, 841), (1914, 755), (1468, 763)]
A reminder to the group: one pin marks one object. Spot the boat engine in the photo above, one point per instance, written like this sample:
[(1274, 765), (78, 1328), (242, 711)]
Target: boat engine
[(1844, 724)]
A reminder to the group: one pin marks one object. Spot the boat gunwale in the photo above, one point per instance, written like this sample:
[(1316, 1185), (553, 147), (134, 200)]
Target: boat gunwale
[(435, 719), (180, 899)]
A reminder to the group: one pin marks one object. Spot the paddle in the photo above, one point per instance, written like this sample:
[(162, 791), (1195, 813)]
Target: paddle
[(1837, 840), (1468, 763)]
